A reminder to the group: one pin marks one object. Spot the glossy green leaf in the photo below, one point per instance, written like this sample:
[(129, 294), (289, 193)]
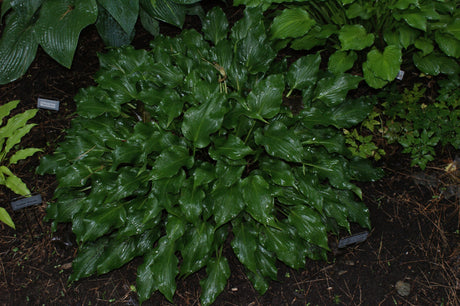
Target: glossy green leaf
[(355, 37), (385, 65), (448, 44), (170, 161), (215, 26), (158, 272), (218, 272), (264, 101), (309, 225), (303, 72), (232, 147), (60, 24), (280, 142), (244, 244), (425, 45), (293, 22), (125, 13), (341, 61), (279, 171), (201, 121), (257, 197), (191, 203), (228, 203), (118, 253), (165, 10), (89, 256), (111, 31), (453, 28), (149, 23), (332, 90), (90, 227), (197, 248), (18, 46), (254, 51), (371, 78), (5, 218), (288, 248), (228, 174)]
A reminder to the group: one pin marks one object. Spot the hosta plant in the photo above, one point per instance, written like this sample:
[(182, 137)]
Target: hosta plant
[(182, 149), (55, 25), (375, 35), (11, 134)]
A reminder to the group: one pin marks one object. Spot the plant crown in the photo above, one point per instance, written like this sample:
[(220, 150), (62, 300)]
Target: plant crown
[(183, 148)]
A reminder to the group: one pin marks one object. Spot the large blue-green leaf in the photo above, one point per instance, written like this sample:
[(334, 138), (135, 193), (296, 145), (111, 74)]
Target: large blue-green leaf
[(18, 46), (124, 12), (448, 44), (60, 24), (280, 142), (111, 31)]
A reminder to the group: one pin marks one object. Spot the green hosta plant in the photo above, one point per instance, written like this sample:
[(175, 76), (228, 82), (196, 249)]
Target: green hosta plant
[(55, 25), (378, 34), (189, 146), (10, 136)]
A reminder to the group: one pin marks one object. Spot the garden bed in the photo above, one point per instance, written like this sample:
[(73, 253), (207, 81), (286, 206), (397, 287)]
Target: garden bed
[(414, 238)]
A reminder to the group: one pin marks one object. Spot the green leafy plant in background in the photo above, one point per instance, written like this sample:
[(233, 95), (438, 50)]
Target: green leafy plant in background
[(11, 134), (361, 143), (377, 34), (55, 25), (419, 124), (180, 146)]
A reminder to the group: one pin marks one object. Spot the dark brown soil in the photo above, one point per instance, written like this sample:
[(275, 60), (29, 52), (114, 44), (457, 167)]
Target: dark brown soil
[(414, 238)]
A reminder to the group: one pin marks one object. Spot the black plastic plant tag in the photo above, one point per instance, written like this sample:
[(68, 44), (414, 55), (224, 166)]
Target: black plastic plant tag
[(357, 238), (22, 202), (48, 104)]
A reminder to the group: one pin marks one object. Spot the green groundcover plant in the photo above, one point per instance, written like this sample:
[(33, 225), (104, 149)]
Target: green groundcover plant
[(182, 149), (376, 35), (419, 124), (55, 25), (11, 134)]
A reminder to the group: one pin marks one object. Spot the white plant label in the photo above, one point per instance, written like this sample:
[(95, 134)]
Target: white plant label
[(48, 104)]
